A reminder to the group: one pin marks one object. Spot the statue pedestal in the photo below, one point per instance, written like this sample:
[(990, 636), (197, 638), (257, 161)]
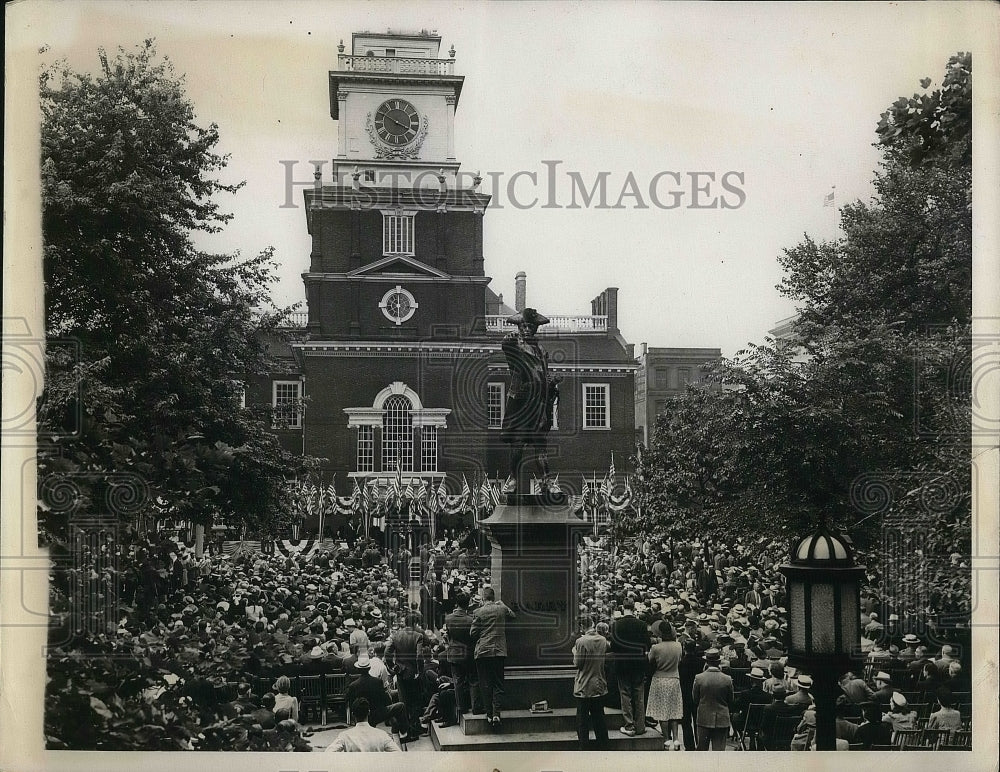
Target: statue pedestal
[(534, 571)]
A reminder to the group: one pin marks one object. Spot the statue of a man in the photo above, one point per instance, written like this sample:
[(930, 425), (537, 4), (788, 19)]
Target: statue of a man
[(530, 396)]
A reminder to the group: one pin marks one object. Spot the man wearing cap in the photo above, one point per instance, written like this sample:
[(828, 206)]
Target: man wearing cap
[(712, 694), (530, 396), (460, 654), (590, 687), (755, 695)]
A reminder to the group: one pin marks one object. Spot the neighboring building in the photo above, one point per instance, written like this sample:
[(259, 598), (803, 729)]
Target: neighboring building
[(664, 373), (400, 360), (784, 331)]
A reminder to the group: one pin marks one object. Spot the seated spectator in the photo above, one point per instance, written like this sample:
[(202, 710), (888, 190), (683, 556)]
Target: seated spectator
[(883, 689), (958, 679), (946, 658), (768, 721), (872, 731), (362, 737), (800, 698), (264, 715), (930, 679), (900, 715), (856, 690), (846, 730), (804, 735), (946, 716), (285, 705)]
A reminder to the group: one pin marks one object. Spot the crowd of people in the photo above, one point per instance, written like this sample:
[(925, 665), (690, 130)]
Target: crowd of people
[(684, 636)]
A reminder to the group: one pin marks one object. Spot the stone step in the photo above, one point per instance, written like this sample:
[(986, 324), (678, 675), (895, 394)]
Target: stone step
[(557, 720), (452, 738)]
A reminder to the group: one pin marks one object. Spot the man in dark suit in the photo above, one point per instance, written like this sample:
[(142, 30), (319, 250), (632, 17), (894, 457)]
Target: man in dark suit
[(712, 695), (754, 597), (382, 706), (403, 651), (460, 654), (690, 665), (629, 646)]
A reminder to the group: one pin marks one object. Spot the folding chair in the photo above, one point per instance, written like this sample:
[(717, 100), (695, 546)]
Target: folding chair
[(335, 692), (784, 731), (748, 736), (901, 738), (885, 748), (961, 738), (935, 737), (856, 746), (311, 697)]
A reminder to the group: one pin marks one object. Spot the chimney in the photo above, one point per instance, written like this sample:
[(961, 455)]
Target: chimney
[(611, 308), (520, 290)]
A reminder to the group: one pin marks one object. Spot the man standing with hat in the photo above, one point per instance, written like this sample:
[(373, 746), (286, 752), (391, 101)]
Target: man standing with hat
[(629, 647), (712, 694), (460, 654)]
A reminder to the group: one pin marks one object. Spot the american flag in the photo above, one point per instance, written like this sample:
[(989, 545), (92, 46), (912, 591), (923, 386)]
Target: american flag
[(828, 198)]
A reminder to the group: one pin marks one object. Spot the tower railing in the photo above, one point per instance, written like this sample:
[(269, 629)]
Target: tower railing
[(396, 65), (563, 323)]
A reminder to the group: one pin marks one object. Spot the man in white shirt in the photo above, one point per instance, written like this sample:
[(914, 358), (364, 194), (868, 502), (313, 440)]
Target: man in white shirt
[(362, 737)]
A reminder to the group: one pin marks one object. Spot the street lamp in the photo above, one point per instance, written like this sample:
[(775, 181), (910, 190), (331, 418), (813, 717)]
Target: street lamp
[(824, 624)]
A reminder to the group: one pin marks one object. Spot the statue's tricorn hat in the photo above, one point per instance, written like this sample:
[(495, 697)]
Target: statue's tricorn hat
[(529, 315)]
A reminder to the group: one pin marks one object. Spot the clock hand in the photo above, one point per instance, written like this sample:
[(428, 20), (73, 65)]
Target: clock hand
[(405, 128)]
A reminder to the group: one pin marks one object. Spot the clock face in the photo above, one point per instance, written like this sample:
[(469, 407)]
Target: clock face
[(397, 122)]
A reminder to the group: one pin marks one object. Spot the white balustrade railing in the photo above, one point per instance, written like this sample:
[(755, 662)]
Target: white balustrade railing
[(556, 324), (298, 319), (396, 64)]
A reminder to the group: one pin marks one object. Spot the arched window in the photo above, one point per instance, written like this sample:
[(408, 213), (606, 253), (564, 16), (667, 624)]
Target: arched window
[(397, 434)]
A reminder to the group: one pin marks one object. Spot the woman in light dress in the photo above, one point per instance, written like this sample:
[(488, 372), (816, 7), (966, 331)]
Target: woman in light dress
[(665, 704)]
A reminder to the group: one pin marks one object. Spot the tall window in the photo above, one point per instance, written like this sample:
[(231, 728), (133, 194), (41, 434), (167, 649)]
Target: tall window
[(555, 415), (397, 234), (595, 406), (286, 397), (684, 376), (429, 449), (397, 434), (366, 448), (494, 404), (661, 377)]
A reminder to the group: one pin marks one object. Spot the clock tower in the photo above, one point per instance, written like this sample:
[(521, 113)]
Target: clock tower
[(394, 100)]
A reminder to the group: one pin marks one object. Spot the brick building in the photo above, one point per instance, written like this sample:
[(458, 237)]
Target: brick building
[(398, 357)]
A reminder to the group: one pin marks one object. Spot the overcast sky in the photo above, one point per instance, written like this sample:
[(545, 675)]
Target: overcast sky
[(787, 96)]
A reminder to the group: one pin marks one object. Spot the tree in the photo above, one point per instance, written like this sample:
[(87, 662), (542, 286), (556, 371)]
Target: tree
[(864, 422), (145, 416)]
